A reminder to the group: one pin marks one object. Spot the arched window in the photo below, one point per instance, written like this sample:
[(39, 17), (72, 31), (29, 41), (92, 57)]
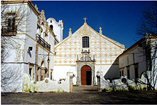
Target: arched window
[(85, 42), (51, 27)]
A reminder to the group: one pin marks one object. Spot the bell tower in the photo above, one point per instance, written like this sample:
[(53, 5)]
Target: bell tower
[(57, 28)]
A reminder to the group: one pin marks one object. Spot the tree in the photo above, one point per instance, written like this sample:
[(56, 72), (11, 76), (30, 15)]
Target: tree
[(148, 29), (149, 23), (150, 74)]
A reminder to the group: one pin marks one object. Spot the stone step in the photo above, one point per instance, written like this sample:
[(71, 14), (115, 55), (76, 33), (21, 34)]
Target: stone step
[(85, 89)]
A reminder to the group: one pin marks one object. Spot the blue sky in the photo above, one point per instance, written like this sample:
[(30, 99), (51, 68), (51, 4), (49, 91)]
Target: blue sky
[(119, 20)]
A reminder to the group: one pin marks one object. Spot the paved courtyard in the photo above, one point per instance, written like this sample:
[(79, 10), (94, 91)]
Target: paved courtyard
[(80, 96)]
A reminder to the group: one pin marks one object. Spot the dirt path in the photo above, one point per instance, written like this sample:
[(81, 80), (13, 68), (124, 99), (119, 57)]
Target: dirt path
[(88, 96)]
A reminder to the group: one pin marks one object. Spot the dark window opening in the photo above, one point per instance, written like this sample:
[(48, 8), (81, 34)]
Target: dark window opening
[(30, 51), (51, 76), (30, 71), (51, 27), (11, 24), (37, 78), (128, 72), (136, 71), (85, 42), (55, 42), (9, 27)]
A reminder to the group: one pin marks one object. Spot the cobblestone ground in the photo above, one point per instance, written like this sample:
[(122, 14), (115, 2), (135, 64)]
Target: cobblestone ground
[(84, 96)]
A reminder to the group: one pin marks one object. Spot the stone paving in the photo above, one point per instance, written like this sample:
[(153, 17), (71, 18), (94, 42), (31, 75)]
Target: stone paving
[(80, 95)]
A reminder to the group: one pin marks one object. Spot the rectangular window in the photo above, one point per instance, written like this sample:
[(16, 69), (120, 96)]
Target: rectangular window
[(11, 24), (136, 70), (30, 72), (51, 76), (128, 72), (85, 42), (9, 28), (37, 78)]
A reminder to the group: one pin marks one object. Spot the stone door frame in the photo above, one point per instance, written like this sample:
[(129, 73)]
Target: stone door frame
[(80, 64)]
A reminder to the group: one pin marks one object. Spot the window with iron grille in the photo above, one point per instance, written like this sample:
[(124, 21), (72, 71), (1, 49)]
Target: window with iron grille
[(85, 42), (11, 24), (9, 27)]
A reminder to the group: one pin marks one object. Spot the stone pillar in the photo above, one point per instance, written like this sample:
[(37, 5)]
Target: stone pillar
[(93, 69), (79, 75)]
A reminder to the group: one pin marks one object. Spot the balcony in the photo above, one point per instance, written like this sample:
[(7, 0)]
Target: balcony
[(42, 42), (9, 31)]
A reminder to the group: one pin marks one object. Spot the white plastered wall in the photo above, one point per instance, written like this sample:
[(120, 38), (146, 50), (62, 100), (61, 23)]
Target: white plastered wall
[(18, 59), (60, 72)]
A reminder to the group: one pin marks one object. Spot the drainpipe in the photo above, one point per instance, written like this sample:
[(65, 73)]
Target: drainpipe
[(36, 58)]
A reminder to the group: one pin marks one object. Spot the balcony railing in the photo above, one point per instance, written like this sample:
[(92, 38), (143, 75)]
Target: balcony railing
[(42, 42), (9, 31)]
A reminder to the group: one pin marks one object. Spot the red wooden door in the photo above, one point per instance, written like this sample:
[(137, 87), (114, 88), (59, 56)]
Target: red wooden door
[(84, 76)]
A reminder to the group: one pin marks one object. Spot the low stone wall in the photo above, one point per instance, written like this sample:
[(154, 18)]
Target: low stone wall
[(104, 84), (117, 84), (47, 85)]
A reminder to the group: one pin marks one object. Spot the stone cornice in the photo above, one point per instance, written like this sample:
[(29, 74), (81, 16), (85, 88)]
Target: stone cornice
[(30, 4)]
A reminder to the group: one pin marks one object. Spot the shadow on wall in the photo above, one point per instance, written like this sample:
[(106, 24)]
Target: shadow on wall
[(113, 72)]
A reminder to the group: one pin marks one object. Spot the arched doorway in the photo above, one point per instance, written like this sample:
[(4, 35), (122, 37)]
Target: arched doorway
[(86, 75)]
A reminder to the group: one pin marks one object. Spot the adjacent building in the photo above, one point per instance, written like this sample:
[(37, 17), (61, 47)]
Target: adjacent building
[(27, 45), (139, 59), (19, 24)]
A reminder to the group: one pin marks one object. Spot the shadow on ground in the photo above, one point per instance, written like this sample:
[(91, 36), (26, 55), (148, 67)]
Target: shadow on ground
[(86, 96)]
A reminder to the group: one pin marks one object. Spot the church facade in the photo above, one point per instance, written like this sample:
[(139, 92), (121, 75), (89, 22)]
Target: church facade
[(42, 52), (87, 53)]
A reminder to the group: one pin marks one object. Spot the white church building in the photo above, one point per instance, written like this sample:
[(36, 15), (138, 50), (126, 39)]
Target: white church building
[(86, 53)]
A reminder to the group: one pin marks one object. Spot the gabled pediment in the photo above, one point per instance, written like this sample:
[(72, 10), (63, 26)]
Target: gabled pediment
[(86, 30)]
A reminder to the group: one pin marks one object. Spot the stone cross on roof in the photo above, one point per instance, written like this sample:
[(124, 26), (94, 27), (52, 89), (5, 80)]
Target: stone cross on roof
[(85, 20), (100, 30), (70, 31)]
